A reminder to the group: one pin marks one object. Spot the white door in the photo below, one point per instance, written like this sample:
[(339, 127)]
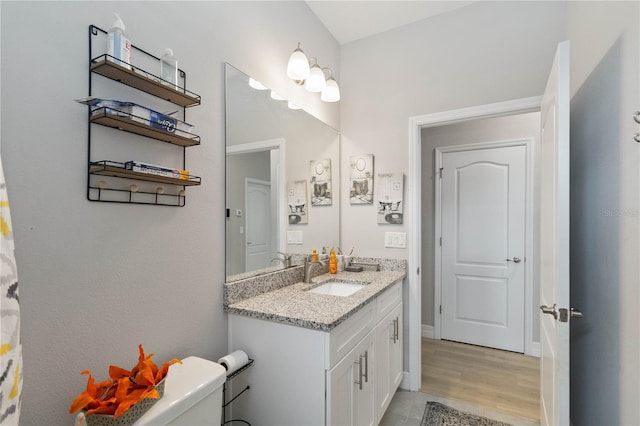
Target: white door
[(258, 220), (554, 244), (483, 206)]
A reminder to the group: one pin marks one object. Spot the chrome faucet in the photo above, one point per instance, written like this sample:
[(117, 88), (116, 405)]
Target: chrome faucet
[(308, 265), (286, 259)]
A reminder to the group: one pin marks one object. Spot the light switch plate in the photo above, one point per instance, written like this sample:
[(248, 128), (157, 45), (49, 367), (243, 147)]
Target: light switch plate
[(294, 237), (395, 239)]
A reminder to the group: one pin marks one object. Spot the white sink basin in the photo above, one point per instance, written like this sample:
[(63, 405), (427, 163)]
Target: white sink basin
[(338, 288)]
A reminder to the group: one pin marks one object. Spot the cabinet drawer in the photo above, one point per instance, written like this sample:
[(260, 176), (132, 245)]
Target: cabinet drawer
[(389, 300), (347, 335)]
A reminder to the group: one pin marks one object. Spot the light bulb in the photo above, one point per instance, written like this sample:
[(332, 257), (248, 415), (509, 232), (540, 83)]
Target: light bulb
[(331, 92), (315, 82), (298, 66)]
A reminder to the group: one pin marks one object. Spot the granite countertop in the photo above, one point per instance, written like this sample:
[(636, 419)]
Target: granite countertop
[(294, 305)]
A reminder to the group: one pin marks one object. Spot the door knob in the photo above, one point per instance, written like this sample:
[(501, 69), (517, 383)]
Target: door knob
[(550, 310), (563, 313), (515, 259)]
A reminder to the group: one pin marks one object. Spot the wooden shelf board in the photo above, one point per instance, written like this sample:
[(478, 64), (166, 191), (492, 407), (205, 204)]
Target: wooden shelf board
[(115, 171), (129, 125), (139, 81)]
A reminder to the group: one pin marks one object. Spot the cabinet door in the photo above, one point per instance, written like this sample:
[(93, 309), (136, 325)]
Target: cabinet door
[(340, 391), (365, 397), (396, 358), (388, 359), (350, 391)]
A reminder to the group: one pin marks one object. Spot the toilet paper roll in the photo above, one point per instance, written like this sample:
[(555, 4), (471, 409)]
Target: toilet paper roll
[(234, 361)]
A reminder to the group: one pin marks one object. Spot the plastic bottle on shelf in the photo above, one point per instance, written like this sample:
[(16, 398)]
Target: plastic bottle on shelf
[(118, 45), (169, 69), (333, 262), (314, 255)]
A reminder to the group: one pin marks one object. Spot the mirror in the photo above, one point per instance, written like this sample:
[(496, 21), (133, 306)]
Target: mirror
[(282, 179)]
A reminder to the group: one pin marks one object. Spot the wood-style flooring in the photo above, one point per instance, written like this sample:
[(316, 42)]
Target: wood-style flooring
[(497, 380)]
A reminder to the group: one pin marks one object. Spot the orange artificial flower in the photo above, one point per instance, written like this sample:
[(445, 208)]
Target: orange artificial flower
[(125, 388)]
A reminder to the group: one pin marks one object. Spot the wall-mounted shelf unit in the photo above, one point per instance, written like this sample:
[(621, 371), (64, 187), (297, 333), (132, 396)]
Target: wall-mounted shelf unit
[(147, 82)]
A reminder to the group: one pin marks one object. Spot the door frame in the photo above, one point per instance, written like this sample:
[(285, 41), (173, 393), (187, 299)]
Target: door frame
[(529, 257), (278, 181), (413, 377)]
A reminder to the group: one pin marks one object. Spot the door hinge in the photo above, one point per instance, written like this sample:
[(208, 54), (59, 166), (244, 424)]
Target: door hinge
[(441, 169), (418, 271), (440, 309), (440, 241)]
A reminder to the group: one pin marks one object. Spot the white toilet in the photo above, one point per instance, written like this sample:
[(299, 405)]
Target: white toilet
[(192, 396)]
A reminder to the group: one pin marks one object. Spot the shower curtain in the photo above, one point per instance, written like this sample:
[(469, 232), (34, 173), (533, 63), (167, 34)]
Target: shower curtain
[(10, 347)]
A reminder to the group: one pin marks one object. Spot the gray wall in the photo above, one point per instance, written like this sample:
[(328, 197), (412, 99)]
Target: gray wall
[(484, 53), (485, 130), (98, 279), (605, 212)]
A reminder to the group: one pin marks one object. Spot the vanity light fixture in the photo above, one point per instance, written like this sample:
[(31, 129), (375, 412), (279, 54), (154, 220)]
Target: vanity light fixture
[(298, 66), (312, 76), (256, 84)]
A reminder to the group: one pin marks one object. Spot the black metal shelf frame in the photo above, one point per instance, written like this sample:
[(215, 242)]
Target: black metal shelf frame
[(152, 84), (226, 403)]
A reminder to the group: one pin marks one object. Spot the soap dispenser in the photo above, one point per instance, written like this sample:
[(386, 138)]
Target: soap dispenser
[(314, 255), (333, 262)]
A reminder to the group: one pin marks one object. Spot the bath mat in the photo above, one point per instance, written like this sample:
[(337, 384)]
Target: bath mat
[(436, 414)]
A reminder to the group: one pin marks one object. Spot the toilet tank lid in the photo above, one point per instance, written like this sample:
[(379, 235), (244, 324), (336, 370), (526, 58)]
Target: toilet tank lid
[(186, 385)]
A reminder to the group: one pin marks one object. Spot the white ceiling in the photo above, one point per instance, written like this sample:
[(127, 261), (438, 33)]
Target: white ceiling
[(356, 19)]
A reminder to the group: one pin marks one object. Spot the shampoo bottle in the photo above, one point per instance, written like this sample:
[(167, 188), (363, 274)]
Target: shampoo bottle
[(169, 69), (333, 262), (118, 46)]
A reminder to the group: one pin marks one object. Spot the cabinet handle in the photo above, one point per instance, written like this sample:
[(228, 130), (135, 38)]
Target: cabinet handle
[(398, 329), (393, 333), (359, 362), (366, 366)]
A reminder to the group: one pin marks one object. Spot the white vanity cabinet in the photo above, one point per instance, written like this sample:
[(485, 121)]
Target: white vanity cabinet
[(346, 376)]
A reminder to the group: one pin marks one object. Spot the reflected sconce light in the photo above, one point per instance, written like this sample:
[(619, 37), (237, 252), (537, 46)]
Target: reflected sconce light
[(256, 84), (276, 97), (309, 73)]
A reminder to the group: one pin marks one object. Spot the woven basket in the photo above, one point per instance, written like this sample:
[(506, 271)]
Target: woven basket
[(130, 416)]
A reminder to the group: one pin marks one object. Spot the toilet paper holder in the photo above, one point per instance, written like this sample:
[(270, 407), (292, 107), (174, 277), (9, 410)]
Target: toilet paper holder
[(225, 404)]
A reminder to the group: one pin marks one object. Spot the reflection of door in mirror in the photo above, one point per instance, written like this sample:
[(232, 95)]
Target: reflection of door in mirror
[(259, 250), (252, 228)]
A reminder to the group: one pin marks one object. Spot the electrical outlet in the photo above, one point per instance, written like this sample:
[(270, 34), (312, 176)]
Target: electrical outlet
[(395, 239)]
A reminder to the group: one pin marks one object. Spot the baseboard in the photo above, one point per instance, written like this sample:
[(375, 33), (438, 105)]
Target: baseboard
[(406, 381), (535, 349), (428, 331)]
